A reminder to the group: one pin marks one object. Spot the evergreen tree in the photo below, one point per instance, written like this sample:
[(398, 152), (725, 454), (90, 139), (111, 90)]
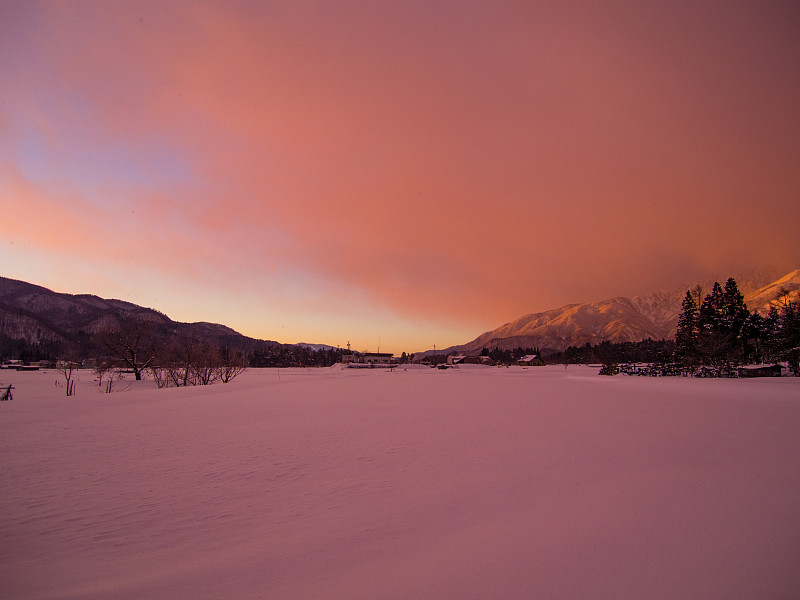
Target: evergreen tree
[(717, 345), (769, 334), (752, 336), (686, 334), (734, 316), (734, 310), (788, 336), (712, 310)]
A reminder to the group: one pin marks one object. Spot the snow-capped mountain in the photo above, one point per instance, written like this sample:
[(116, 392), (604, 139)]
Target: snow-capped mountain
[(623, 319), (315, 347), (787, 288)]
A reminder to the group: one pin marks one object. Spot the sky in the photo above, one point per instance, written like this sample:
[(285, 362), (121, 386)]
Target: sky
[(394, 174)]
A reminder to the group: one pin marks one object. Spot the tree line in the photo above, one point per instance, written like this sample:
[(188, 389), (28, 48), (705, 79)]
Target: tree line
[(606, 352), (180, 359), (174, 359), (508, 357), (289, 355), (719, 332)]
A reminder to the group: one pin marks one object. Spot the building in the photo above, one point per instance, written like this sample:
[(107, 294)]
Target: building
[(369, 359), (460, 359), (530, 360), (760, 371)]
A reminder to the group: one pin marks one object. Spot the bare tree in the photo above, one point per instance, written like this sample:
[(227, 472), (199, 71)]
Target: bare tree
[(106, 370), (66, 368), (66, 365), (181, 357), (186, 360), (131, 342), (160, 375), (719, 350), (205, 365), (785, 293), (190, 361), (231, 364), (697, 293)]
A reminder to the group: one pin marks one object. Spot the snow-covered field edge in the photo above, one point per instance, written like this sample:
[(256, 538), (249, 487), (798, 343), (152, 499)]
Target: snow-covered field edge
[(467, 483)]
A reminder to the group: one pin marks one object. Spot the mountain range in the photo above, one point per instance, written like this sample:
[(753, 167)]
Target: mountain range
[(623, 319), (38, 317)]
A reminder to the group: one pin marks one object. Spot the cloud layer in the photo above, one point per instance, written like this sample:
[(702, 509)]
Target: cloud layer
[(371, 164)]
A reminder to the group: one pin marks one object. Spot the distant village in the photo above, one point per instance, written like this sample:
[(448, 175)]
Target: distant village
[(382, 359)]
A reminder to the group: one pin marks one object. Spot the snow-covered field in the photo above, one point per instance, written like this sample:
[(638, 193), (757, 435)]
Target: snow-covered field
[(357, 484)]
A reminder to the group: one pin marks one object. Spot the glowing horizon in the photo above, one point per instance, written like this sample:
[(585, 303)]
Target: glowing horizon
[(415, 175)]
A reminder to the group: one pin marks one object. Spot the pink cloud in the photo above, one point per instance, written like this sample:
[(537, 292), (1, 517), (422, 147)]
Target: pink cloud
[(510, 162)]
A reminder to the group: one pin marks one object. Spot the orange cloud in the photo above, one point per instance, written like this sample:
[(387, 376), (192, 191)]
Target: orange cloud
[(493, 162)]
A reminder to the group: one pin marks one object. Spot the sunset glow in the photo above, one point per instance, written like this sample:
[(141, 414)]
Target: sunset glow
[(394, 174)]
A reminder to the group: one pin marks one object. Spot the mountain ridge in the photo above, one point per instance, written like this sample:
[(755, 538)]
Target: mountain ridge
[(38, 316), (622, 318)]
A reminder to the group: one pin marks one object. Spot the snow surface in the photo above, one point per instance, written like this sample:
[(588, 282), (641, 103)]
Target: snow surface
[(475, 482)]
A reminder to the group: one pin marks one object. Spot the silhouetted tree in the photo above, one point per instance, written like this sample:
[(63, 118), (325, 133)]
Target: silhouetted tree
[(231, 364), (769, 334), (106, 372), (687, 331), (716, 341), (131, 341), (66, 365), (182, 359), (788, 335), (734, 310), (752, 335), (711, 313)]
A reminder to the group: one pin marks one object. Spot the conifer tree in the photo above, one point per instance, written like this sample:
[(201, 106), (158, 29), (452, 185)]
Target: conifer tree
[(769, 334), (788, 336), (734, 316), (686, 334), (712, 310), (716, 343), (752, 336), (734, 310)]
